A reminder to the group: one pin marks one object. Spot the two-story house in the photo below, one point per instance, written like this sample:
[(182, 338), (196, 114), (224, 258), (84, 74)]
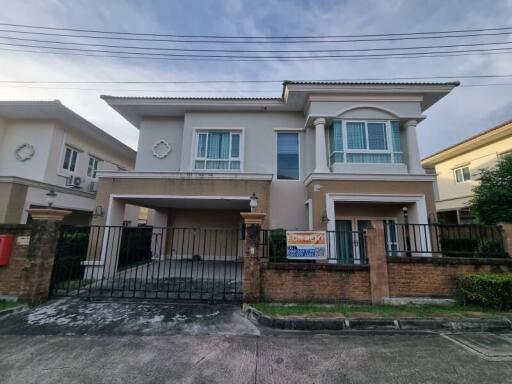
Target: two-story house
[(458, 168), (45, 146), (325, 155)]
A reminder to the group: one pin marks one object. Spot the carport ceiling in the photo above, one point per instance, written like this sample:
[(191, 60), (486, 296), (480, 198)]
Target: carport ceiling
[(184, 203)]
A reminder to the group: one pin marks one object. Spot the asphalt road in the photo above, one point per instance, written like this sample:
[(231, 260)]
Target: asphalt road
[(71, 342)]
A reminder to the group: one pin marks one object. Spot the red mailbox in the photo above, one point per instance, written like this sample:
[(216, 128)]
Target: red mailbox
[(6, 243)]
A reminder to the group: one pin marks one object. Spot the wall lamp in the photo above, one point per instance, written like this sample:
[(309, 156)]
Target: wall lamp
[(253, 203), (98, 211), (50, 198)]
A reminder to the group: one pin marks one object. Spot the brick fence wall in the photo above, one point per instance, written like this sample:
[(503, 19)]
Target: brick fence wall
[(12, 275), (434, 276), (28, 274), (407, 277), (314, 283), (397, 276)]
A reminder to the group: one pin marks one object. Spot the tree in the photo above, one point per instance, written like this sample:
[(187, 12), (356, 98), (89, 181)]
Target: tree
[(492, 202)]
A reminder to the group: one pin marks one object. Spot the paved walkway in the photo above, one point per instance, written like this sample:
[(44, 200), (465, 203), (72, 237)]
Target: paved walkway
[(48, 345)]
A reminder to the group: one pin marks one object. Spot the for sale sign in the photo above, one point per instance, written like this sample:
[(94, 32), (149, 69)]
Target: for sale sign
[(306, 245)]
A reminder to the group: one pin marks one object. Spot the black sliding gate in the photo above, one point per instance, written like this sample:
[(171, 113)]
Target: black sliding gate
[(191, 264)]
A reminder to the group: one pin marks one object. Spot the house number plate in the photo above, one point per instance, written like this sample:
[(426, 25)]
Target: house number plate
[(23, 240)]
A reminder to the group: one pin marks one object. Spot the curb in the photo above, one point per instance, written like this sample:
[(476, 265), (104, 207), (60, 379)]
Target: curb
[(16, 309), (329, 324)]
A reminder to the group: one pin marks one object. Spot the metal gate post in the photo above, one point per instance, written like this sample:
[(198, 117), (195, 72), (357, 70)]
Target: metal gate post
[(252, 264)]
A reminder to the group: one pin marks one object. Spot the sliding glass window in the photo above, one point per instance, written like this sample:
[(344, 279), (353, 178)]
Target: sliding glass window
[(364, 142)]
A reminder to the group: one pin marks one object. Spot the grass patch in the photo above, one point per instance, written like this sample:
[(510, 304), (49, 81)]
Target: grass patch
[(383, 311), (7, 304)]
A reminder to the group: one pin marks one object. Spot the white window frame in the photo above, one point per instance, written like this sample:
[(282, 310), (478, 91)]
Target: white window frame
[(346, 150), (462, 173), (98, 161), (63, 156), (298, 149), (231, 131)]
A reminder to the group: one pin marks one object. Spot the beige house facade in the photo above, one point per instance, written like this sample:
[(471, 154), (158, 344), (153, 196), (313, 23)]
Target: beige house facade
[(458, 167), (323, 156), (45, 146)]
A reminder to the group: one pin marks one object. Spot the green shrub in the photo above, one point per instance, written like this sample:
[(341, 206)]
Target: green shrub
[(460, 247), (490, 248), (472, 247), (486, 290), (277, 245)]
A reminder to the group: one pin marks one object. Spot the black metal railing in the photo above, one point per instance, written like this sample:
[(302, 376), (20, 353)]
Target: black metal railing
[(199, 264), (343, 247), (462, 240)]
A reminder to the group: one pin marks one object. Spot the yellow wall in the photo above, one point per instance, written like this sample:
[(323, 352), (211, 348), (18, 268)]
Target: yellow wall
[(456, 195)]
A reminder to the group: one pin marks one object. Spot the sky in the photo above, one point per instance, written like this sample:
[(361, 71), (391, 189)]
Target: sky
[(466, 111)]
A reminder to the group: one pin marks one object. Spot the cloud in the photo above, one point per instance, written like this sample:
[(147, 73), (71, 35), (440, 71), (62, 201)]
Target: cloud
[(464, 112)]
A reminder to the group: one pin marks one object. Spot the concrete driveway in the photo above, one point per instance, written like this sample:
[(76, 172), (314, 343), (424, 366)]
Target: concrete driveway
[(152, 344)]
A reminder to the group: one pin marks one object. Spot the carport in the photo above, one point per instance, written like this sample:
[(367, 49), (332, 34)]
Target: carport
[(191, 248)]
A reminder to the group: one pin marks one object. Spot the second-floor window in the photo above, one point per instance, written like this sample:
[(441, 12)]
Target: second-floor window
[(365, 142), (288, 156), (92, 167), (218, 150), (70, 159), (462, 174)]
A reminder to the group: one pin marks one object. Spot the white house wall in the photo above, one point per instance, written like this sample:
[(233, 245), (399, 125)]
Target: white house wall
[(86, 146), (258, 130), (458, 194), (152, 131), (36, 133)]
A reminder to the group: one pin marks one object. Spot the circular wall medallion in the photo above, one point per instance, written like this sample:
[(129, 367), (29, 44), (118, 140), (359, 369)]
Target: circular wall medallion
[(161, 149), (24, 152)]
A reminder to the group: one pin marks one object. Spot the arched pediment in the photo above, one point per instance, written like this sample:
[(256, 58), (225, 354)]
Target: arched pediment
[(367, 112)]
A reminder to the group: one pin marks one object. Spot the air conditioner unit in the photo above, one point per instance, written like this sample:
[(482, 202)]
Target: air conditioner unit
[(92, 186), (73, 181)]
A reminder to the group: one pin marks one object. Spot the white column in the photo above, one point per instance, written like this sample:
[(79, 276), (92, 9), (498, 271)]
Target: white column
[(413, 152), (320, 147), (158, 238)]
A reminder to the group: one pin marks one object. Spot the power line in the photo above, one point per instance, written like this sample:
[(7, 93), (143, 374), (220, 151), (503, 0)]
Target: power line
[(253, 37), (195, 91), (303, 59), (185, 40), (257, 58), (251, 81), (255, 51)]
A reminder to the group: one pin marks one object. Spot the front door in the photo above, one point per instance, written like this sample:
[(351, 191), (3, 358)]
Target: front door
[(350, 246), (344, 242)]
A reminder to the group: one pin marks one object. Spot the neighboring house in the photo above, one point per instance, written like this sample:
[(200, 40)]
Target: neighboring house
[(44, 146), (323, 156), (458, 167)]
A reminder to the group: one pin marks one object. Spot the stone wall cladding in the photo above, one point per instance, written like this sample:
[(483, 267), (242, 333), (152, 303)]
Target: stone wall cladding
[(434, 277), (12, 275), (292, 282)]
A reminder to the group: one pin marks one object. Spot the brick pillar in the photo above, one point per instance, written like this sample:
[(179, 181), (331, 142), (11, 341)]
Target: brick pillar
[(506, 231), (35, 286), (376, 252), (252, 264)]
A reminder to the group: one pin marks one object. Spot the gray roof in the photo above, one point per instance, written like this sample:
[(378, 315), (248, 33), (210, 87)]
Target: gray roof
[(299, 82)]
